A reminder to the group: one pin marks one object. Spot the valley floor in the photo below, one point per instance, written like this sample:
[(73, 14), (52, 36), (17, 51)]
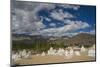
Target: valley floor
[(53, 59)]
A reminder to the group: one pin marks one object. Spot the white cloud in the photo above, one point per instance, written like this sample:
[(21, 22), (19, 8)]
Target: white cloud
[(89, 32), (74, 25), (39, 24), (67, 21), (26, 19), (69, 6), (52, 24), (41, 6), (60, 15), (70, 34), (47, 19), (23, 21), (92, 31)]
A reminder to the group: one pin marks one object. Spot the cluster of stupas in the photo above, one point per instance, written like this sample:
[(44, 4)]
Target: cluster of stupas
[(68, 52), (61, 52), (20, 55)]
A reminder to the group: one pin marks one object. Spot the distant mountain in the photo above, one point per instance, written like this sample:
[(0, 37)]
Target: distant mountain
[(65, 37), (82, 39), (24, 36), (79, 39), (40, 43)]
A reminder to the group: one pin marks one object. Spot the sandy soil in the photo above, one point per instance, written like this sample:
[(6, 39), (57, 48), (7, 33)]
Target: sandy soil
[(53, 59)]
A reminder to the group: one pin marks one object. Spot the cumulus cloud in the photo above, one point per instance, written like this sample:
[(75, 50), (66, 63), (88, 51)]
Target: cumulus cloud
[(60, 15), (68, 6), (74, 25), (77, 23), (47, 19), (34, 7), (52, 24), (40, 7), (23, 21), (25, 18), (39, 24)]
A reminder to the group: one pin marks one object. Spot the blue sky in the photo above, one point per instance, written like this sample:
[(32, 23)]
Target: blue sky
[(52, 19)]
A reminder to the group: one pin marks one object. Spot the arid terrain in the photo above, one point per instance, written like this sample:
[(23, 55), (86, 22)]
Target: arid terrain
[(53, 59)]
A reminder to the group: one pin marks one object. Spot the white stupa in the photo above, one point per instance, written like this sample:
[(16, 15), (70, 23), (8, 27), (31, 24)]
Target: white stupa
[(60, 52), (23, 53), (43, 54), (63, 51), (94, 46), (77, 53), (51, 51), (27, 54), (66, 53), (54, 52), (71, 52), (83, 49), (91, 51), (15, 57)]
